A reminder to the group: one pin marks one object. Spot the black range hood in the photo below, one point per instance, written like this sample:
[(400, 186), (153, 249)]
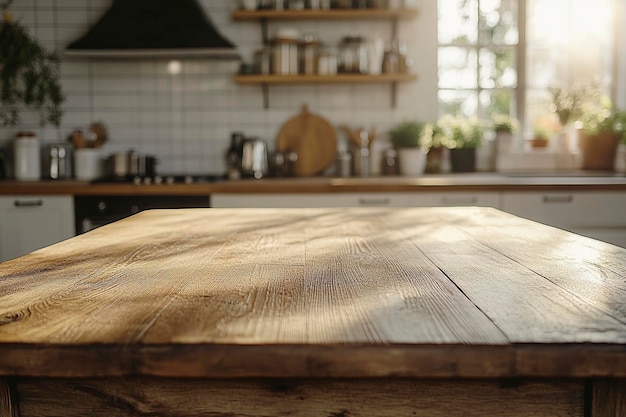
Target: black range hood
[(153, 29)]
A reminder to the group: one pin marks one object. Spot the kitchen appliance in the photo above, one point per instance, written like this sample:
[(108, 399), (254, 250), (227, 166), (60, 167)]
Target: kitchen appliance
[(3, 164), (254, 158), (95, 211), (153, 28), (56, 161), (131, 164)]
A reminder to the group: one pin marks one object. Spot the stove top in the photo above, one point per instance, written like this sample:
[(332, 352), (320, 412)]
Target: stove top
[(162, 179)]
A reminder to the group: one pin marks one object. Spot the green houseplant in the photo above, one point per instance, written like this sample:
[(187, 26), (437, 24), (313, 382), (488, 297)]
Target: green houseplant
[(28, 75), (407, 139), (461, 135)]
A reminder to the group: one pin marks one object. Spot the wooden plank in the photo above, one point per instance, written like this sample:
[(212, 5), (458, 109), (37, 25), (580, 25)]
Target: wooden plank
[(590, 270), (526, 306), (112, 289), (348, 281), (324, 79), (8, 407), (608, 398), (338, 14), (332, 398)]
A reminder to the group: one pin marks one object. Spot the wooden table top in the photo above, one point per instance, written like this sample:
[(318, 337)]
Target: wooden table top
[(424, 292)]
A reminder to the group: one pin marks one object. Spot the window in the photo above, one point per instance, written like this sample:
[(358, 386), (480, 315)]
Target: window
[(501, 56)]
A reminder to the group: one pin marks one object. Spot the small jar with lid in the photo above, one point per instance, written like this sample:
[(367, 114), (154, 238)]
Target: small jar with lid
[(327, 61), (309, 52), (285, 52), (395, 60), (353, 55)]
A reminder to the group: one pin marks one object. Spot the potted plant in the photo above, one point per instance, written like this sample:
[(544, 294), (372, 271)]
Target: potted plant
[(600, 134), (504, 127), (541, 138), (432, 138), (461, 136), (28, 75), (407, 139)]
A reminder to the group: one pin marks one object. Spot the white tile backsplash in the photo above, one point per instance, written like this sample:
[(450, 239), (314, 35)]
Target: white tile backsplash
[(186, 119)]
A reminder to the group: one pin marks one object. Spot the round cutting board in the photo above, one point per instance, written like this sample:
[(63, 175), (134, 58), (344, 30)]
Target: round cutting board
[(312, 138)]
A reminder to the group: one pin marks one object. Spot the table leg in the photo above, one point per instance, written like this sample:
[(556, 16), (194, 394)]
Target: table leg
[(7, 405), (608, 398)]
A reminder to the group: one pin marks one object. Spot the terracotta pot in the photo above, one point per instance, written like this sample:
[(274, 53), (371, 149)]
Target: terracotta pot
[(598, 152), (539, 143)]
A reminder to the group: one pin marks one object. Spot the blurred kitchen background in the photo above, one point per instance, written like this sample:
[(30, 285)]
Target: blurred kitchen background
[(184, 111)]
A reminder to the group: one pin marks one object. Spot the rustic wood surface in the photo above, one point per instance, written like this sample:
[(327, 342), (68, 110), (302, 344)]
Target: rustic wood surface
[(436, 183), (7, 405), (608, 398), (305, 398), (430, 292)]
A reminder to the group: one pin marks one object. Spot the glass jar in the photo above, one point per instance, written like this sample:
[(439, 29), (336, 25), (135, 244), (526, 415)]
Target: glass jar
[(309, 52), (285, 56), (262, 61), (327, 62), (353, 56), (296, 4)]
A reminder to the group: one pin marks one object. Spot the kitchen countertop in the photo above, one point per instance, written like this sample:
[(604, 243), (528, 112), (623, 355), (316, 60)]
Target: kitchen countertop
[(459, 182), (335, 312)]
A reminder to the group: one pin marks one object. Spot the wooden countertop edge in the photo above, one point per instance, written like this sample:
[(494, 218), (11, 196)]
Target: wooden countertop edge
[(318, 185), (315, 361)]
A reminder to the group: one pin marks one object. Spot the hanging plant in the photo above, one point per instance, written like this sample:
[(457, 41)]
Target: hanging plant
[(28, 75)]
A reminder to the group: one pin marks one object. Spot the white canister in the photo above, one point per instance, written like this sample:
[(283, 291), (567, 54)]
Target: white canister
[(27, 158), (412, 161), (87, 164)]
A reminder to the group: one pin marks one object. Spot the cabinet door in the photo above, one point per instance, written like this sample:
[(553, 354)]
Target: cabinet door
[(28, 223), (600, 215), (312, 200), (399, 199)]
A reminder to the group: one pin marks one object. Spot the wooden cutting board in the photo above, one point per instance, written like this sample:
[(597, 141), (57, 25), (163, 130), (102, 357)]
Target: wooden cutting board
[(313, 138)]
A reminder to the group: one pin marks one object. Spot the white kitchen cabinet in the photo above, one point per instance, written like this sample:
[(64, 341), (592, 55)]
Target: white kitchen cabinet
[(399, 199), (600, 215), (28, 223)]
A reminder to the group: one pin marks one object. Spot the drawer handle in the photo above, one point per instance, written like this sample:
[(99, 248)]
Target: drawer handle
[(453, 201), (374, 201), (28, 203), (558, 198)]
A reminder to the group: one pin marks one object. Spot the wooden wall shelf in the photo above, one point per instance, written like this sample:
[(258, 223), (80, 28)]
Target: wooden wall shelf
[(352, 14), (324, 79)]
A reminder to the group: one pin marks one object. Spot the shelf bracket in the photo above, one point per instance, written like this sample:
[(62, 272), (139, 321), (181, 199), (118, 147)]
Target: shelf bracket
[(265, 36), (266, 95), (394, 94)]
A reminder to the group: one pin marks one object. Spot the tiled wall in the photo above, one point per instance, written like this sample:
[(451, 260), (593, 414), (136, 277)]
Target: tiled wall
[(186, 119)]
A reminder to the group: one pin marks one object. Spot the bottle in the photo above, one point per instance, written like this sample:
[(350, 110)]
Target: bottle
[(233, 156)]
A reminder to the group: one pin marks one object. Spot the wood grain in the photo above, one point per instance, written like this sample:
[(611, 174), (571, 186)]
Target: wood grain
[(527, 306), (332, 398), (8, 408), (431, 292), (312, 138), (608, 398)]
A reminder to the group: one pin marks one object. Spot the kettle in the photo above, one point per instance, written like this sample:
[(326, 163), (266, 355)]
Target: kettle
[(254, 158)]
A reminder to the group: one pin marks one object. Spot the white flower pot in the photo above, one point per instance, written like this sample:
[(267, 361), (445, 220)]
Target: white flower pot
[(412, 161)]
